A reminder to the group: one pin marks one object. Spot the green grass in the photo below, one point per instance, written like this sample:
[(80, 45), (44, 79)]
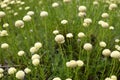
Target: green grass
[(54, 56)]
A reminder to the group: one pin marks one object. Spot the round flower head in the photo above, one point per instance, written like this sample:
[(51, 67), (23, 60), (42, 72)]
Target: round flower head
[(2, 14), (15, 14), (66, 1), (105, 25), (113, 77), (33, 49), (59, 39), (105, 15), (82, 8), (64, 22), (68, 79), (35, 62), (30, 13), (117, 40), (38, 45), (112, 6), (43, 13), (102, 44), (27, 70), (20, 74), (80, 63), (27, 18), (27, 8), (55, 32), (111, 28), (5, 25), (21, 53), (115, 54), (35, 56), (81, 14), (108, 78), (11, 70), (4, 46), (1, 70), (71, 64), (95, 3), (69, 35), (3, 33), (85, 24), (1, 75), (87, 46), (55, 4), (81, 35), (56, 78), (87, 20), (106, 52), (19, 24)]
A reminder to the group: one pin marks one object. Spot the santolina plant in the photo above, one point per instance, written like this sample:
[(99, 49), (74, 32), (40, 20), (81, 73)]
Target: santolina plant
[(59, 40)]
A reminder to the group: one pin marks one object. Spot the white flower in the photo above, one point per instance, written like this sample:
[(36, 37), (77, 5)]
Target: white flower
[(33, 49), (95, 3), (81, 35), (102, 44), (69, 35), (106, 52), (87, 20), (81, 14), (71, 64), (68, 79), (4, 46), (38, 45), (64, 22), (80, 63), (87, 46), (104, 24), (28, 7), (1, 75), (55, 32), (15, 14), (35, 62), (1, 70), (3, 33), (117, 40), (30, 13), (43, 13), (112, 6), (59, 39), (27, 18), (20, 74), (66, 1), (115, 54), (100, 22), (5, 25), (20, 8), (108, 78), (2, 14), (21, 53), (11, 70), (55, 4), (35, 56), (111, 28), (85, 24), (19, 24), (105, 15), (113, 77), (56, 78), (82, 8), (27, 70)]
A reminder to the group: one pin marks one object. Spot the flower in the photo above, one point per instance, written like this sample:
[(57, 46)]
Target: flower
[(33, 49), (4, 46), (27, 18), (56, 78), (64, 22), (117, 40), (113, 77), (59, 39), (71, 64), (1, 70), (115, 54), (55, 32), (95, 3), (102, 44), (35, 56), (35, 62), (68, 79), (80, 63), (105, 15), (2, 14), (82, 8), (112, 6), (11, 70), (69, 35), (104, 24), (21, 53), (30, 13), (87, 20), (27, 70), (81, 35), (81, 14), (106, 52), (1, 75), (20, 74), (66, 1), (87, 46), (3, 33), (19, 24), (5, 25), (55, 4), (43, 13), (38, 45)]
